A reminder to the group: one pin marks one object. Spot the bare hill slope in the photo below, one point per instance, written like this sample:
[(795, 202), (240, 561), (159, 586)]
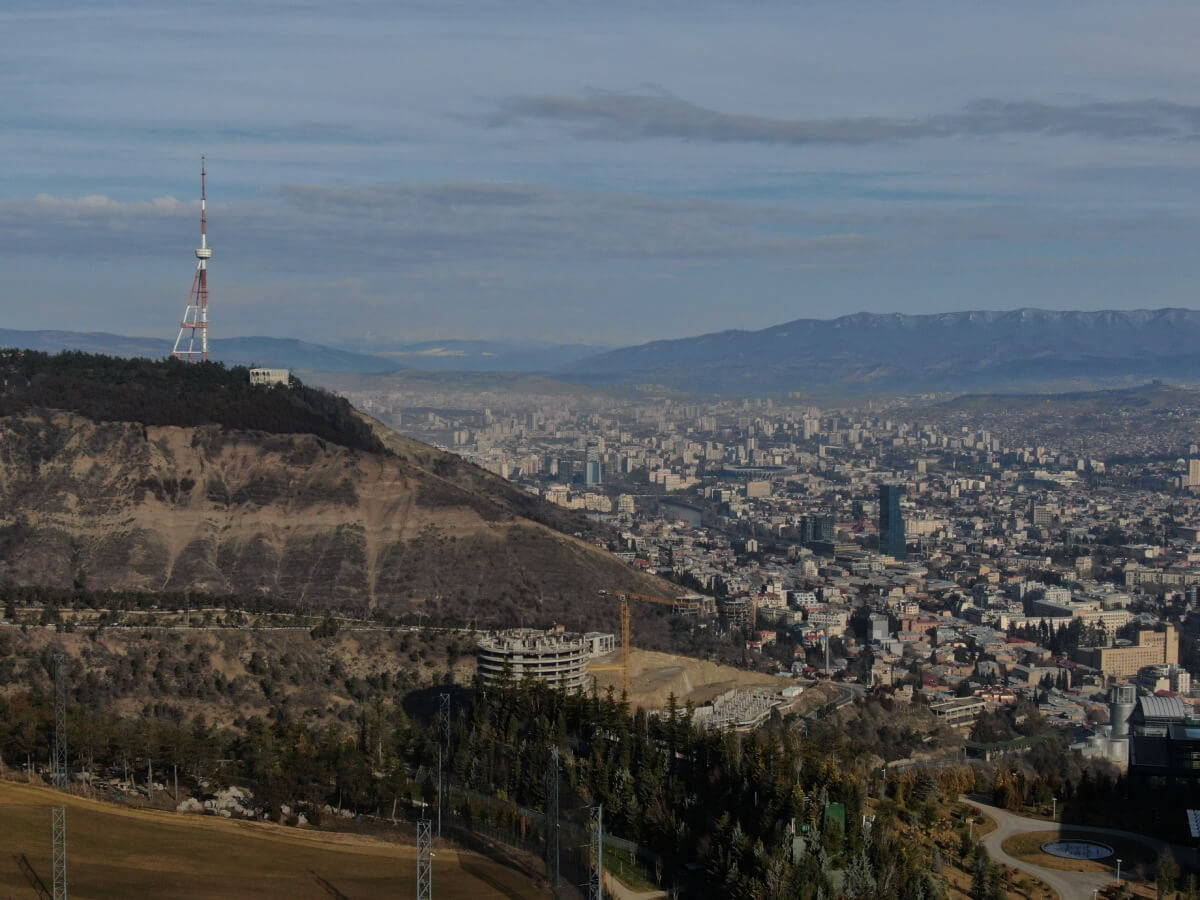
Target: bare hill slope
[(121, 505)]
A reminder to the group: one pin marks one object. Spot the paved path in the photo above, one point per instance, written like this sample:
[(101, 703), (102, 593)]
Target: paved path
[(622, 891), (1070, 885)]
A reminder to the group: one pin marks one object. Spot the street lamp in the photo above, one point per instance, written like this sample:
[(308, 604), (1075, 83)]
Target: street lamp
[(1054, 808), (1118, 871)]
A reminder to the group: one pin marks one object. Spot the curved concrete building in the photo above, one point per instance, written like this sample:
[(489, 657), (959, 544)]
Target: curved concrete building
[(557, 657)]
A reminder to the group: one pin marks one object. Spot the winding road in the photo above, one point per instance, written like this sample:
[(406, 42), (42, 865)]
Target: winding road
[(1070, 885)]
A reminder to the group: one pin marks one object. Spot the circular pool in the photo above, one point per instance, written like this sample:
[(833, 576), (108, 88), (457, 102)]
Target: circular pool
[(1077, 849)]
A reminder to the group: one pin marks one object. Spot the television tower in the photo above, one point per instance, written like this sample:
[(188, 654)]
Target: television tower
[(195, 317)]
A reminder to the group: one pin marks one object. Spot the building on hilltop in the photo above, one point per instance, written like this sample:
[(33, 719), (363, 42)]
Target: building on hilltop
[(270, 376)]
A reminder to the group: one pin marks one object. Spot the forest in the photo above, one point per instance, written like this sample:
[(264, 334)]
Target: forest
[(172, 392), (717, 805), (780, 812)]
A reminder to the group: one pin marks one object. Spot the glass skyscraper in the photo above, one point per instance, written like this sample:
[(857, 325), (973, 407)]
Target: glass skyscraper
[(891, 521)]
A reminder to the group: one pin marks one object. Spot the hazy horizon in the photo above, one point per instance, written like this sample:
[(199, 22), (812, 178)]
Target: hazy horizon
[(572, 174)]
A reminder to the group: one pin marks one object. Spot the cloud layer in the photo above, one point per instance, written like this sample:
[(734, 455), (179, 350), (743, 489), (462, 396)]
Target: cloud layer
[(615, 117), (469, 168)]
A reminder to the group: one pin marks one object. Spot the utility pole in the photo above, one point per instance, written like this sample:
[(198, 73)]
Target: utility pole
[(424, 859), (552, 846), (443, 758), (58, 814), (59, 767), (596, 882), (58, 854)]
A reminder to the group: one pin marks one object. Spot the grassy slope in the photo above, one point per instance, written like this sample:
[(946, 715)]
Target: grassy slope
[(118, 852)]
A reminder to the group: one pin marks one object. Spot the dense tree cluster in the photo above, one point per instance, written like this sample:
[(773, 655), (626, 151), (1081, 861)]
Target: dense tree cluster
[(717, 805), (172, 392)]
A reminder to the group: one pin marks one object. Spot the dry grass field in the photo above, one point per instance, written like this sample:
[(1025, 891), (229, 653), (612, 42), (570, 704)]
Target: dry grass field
[(119, 852)]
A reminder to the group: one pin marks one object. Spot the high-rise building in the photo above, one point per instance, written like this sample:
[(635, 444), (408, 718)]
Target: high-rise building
[(824, 529), (891, 522), (593, 472), (1193, 475)]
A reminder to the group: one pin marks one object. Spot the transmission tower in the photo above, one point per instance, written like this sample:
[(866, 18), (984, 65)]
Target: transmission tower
[(443, 758), (552, 847), (59, 763), (424, 859), (195, 316), (596, 881), (58, 839)]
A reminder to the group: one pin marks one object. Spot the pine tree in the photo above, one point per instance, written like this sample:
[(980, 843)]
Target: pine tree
[(860, 879)]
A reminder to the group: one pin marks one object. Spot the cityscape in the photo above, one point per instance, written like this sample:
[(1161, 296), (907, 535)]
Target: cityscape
[(641, 452)]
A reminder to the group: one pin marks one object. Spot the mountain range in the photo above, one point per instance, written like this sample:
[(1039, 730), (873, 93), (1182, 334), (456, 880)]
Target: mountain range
[(859, 353), (351, 357), (943, 352)]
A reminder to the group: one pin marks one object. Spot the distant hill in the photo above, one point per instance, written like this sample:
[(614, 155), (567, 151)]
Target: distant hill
[(361, 358), (479, 356), (949, 351), (164, 476)]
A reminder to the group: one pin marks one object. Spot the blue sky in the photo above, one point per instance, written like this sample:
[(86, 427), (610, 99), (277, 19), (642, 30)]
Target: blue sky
[(611, 173)]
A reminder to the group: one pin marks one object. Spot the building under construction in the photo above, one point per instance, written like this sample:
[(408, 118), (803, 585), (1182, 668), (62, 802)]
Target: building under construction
[(555, 656)]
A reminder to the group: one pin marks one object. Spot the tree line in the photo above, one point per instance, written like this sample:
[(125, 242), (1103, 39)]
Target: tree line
[(173, 392)]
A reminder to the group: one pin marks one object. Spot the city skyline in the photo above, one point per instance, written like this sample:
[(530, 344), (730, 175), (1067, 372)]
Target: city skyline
[(606, 177)]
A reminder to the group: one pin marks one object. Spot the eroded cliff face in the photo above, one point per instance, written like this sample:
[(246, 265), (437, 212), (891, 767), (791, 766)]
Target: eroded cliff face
[(122, 505)]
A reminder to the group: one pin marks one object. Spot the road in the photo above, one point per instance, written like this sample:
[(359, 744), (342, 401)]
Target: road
[(1070, 885)]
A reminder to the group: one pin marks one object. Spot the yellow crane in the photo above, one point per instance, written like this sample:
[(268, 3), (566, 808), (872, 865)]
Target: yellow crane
[(678, 605)]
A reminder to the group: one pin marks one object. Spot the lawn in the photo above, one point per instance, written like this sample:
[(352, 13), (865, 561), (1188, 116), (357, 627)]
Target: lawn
[(1028, 847), (629, 870), (115, 852)]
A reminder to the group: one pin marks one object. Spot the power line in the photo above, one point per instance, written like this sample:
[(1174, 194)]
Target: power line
[(443, 755), (424, 859), (59, 766), (552, 827), (58, 841), (596, 880)]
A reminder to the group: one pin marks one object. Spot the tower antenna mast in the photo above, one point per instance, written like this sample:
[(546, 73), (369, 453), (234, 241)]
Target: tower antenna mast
[(195, 316)]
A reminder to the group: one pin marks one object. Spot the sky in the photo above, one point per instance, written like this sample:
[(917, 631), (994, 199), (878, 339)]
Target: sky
[(384, 171)]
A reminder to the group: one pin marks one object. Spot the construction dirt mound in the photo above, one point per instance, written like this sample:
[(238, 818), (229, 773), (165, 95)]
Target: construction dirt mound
[(654, 676)]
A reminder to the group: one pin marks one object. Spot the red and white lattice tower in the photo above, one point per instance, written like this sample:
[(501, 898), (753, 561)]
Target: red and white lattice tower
[(195, 317)]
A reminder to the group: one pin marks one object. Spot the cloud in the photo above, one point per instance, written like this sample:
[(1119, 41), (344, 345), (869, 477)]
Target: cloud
[(613, 116), (385, 226)]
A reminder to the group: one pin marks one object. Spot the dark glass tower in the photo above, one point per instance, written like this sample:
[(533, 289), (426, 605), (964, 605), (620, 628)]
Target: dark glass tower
[(891, 522)]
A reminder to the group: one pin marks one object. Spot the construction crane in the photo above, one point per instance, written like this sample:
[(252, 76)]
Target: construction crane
[(687, 607)]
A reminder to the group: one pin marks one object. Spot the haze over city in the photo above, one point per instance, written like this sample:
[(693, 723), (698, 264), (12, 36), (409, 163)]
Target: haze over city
[(562, 451), (607, 174)]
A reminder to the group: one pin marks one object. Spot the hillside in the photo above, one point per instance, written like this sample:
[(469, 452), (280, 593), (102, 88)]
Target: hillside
[(91, 499), (233, 351), (110, 856), (943, 352)]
